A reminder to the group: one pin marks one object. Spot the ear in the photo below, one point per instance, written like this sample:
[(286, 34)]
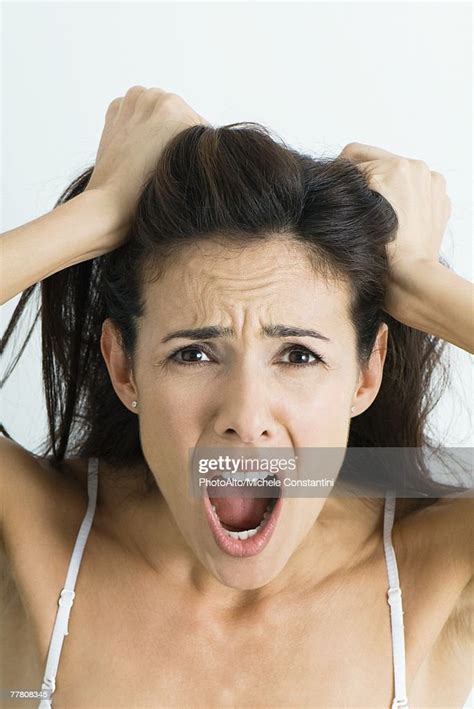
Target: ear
[(118, 364), (370, 377)]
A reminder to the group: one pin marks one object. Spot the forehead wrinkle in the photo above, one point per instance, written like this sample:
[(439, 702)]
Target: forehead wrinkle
[(240, 317), (272, 281), (274, 261), (210, 289), (202, 299), (272, 269), (206, 293)]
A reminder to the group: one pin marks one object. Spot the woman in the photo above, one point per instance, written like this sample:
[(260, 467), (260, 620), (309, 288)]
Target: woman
[(225, 232)]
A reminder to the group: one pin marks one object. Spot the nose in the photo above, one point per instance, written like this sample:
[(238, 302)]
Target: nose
[(244, 412)]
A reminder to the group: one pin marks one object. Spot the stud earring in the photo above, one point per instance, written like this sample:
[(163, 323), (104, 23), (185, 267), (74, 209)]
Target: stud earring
[(352, 408), (134, 404)]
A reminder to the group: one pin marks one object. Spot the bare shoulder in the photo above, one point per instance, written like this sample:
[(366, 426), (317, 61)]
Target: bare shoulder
[(442, 534), (453, 527), (21, 482), (456, 532), (42, 505), (32, 492), (436, 545), (439, 552), (438, 556), (43, 502)]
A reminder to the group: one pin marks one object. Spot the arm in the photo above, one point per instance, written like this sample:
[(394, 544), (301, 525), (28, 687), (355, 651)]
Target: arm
[(444, 531), (77, 230), (137, 128), (433, 299), (421, 292)]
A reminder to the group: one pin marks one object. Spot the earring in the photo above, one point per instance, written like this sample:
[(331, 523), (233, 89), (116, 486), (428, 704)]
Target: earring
[(352, 408), (134, 404)]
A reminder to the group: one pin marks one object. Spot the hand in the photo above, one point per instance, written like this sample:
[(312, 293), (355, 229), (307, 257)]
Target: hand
[(418, 196), (137, 128)]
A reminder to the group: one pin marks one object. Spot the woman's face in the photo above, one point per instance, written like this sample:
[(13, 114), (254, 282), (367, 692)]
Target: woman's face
[(248, 389)]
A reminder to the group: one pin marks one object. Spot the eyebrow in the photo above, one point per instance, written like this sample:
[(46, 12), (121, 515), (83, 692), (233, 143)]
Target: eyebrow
[(215, 331)]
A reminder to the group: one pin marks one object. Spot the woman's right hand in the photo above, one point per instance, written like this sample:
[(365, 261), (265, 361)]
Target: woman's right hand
[(94, 222), (137, 128)]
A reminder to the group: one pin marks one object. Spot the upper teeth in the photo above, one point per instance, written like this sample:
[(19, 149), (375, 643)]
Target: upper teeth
[(246, 533)]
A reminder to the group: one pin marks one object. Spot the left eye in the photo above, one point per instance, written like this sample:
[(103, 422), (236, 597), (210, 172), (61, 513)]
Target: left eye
[(179, 356), (304, 352)]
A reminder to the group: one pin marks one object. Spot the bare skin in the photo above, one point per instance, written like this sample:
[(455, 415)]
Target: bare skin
[(422, 293), (143, 636), (162, 618), (152, 564)]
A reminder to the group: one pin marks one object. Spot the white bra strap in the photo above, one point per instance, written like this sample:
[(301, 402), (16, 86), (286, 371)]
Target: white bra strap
[(66, 597), (394, 595)]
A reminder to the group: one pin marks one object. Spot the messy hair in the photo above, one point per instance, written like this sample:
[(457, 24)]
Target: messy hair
[(241, 185)]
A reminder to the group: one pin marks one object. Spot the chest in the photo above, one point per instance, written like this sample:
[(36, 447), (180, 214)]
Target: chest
[(137, 641), (132, 647), (260, 664)]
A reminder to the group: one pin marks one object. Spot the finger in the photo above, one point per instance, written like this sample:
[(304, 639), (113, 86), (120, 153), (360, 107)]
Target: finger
[(203, 120), (438, 178), (359, 152), (113, 107), (152, 94), (368, 168), (134, 91), (156, 90), (151, 98), (132, 94)]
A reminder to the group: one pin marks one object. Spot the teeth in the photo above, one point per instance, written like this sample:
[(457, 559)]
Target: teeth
[(247, 533)]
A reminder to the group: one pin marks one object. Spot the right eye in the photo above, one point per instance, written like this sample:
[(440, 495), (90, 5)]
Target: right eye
[(188, 362)]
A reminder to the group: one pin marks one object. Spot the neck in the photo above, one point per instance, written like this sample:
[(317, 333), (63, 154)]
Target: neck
[(345, 533)]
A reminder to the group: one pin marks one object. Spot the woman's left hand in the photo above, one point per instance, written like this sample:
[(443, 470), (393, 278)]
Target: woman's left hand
[(419, 198)]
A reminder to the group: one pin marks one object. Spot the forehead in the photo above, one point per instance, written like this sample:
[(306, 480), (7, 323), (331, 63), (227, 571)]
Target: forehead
[(274, 278)]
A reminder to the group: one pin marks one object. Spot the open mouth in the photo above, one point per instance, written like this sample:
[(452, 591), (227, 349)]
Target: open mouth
[(246, 522), (242, 526)]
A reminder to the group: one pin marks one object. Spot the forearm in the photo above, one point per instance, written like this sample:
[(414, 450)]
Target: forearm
[(80, 229), (438, 301)]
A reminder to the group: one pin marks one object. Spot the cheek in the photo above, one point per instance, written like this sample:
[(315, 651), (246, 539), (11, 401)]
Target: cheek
[(322, 414), (166, 433), (329, 388), (174, 413), (170, 415)]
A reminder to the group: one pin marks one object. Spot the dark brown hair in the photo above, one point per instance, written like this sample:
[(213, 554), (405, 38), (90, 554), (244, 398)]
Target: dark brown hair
[(239, 184)]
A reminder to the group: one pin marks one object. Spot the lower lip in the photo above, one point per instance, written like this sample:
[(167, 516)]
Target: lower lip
[(242, 547)]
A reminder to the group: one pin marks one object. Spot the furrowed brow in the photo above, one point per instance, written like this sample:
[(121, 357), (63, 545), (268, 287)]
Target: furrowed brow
[(292, 331), (215, 331)]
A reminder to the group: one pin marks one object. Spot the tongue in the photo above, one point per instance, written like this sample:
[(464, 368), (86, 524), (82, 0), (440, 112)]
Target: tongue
[(239, 513)]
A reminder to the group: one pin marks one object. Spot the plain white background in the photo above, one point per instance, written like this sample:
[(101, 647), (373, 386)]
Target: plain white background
[(320, 74)]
